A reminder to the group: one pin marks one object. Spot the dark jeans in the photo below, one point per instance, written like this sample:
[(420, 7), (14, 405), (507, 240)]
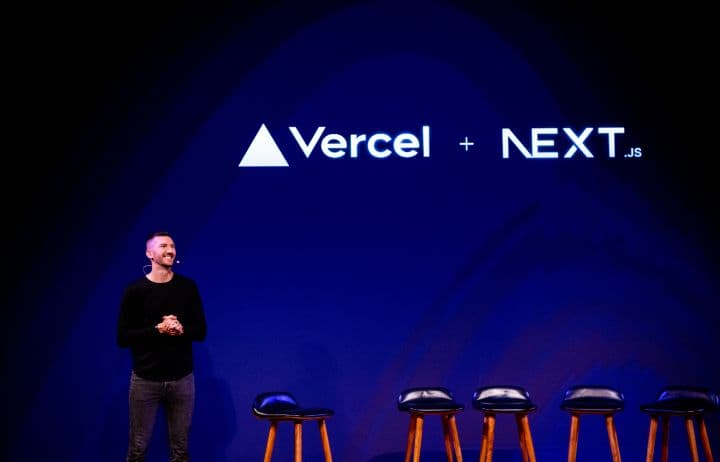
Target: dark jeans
[(178, 398)]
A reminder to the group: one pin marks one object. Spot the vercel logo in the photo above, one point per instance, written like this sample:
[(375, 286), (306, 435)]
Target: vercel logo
[(264, 151)]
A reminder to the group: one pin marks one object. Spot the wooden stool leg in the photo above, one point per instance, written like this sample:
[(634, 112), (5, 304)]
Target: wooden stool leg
[(612, 438), (325, 440), (446, 438), (665, 439), (270, 441), (528, 438), (690, 427), (651, 439), (521, 437), (484, 439), (455, 438), (704, 438), (298, 441), (617, 442), (490, 440), (574, 429), (418, 438), (411, 438)]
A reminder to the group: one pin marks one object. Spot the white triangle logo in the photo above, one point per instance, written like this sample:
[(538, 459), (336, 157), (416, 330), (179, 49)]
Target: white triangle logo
[(263, 151)]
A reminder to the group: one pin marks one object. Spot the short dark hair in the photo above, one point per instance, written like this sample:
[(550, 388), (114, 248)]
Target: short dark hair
[(156, 234)]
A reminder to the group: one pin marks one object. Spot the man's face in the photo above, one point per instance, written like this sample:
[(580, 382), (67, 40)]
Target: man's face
[(161, 250)]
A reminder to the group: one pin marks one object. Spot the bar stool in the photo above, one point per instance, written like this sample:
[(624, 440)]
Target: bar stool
[(283, 407), (504, 400), (589, 399), (686, 402), (419, 402)]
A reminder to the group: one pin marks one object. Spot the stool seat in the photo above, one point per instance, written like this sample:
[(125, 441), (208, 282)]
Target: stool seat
[(422, 401), (689, 402), (591, 406), (428, 400), (281, 406), (296, 413), (678, 406), (593, 399), (508, 406), (504, 399)]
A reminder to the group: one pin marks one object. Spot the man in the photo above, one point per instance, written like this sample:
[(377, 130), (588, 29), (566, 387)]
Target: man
[(161, 314)]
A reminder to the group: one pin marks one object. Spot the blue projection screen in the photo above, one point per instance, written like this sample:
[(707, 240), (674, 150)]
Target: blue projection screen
[(371, 196)]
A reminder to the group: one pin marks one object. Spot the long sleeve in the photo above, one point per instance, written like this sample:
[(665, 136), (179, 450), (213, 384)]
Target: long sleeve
[(195, 325), (129, 327)]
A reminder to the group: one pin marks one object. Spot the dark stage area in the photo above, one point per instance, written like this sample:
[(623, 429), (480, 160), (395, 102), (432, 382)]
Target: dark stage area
[(371, 196)]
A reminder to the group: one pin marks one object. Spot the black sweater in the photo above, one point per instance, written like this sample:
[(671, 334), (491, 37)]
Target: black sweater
[(156, 356)]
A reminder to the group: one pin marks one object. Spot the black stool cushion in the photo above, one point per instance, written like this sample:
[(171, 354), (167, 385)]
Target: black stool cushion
[(510, 399), (428, 400), (683, 400), (283, 405), (592, 399)]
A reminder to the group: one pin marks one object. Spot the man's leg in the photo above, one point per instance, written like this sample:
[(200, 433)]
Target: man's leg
[(144, 399), (180, 401)]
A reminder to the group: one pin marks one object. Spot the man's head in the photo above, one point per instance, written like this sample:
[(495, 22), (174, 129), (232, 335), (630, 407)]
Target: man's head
[(160, 248)]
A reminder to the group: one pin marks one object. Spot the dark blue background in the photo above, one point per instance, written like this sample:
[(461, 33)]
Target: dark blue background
[(345, 281)]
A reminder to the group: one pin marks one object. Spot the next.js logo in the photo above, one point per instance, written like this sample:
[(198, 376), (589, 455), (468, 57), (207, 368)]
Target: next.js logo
[(264, 151)]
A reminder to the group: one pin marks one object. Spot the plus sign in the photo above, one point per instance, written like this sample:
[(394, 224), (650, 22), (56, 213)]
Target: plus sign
[(466, 143)]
